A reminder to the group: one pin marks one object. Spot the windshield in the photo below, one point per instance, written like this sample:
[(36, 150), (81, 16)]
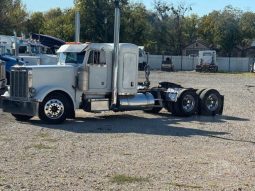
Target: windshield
[(70, 57), (35, 49), (207, 54)]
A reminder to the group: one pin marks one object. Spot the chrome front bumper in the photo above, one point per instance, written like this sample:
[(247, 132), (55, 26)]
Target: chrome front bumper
[(29, 108)]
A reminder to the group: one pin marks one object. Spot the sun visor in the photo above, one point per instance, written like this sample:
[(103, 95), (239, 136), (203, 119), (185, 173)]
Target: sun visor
[(72, 48)]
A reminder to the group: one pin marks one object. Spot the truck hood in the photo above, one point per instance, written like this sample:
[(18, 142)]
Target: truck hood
[(53, 77), (50, 67)]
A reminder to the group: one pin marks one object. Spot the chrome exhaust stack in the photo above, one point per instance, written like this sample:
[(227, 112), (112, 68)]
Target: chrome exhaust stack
[(77, 26), (116, 55), (16, 50)]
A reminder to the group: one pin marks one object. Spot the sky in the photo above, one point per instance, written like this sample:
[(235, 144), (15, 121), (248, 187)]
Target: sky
[(200, 7)]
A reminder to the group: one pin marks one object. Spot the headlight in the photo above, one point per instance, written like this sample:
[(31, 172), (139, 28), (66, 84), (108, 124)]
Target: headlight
[(32, 92)]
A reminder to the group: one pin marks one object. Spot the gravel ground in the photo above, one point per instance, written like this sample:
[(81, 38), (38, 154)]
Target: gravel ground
[(138, 151)]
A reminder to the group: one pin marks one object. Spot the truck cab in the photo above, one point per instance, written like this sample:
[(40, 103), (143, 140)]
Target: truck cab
[(82, 77)]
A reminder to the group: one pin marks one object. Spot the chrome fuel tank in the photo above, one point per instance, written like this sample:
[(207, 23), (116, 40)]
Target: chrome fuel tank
[(137, 102)]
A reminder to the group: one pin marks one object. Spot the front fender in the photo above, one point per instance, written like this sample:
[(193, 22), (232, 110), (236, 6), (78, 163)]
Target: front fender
[(44, 91)]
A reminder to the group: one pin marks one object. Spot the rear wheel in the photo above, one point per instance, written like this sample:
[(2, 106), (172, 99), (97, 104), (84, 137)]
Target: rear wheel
[(210, 102), (21, 117), (186, 105), (54, 108), (199, 91)]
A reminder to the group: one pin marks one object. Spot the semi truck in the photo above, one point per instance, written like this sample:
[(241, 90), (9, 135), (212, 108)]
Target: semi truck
[(99, 77), (17, 50), (207, 61), (2, 78)]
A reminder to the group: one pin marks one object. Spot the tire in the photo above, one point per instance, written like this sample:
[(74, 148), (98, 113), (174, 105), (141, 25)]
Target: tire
[(186, 105), (210, 102), (199, 91), (22, 117), (54, 108)]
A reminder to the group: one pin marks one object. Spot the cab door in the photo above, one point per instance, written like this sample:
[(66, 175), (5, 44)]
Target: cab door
[(97, 71)]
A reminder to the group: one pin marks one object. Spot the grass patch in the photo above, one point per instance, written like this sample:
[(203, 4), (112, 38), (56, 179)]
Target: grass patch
[(127, 154), (43, 135), (50, 140), (40, 147), (2, 179), (185, 186), (46, 137), (123, 179), (5, 139)]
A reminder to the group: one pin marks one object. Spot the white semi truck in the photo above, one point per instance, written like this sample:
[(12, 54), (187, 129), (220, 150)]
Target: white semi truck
[(207, 61), (99, 77)]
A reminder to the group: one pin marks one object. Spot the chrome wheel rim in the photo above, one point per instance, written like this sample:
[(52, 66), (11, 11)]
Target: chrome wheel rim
[(54, 109), (212, 102), (188, 103)]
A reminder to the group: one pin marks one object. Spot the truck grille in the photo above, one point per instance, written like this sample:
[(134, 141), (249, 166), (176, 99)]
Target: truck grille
[(2, 71), (19, 83)]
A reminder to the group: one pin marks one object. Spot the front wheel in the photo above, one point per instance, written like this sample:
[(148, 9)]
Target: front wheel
[(54, 109), (21, 117)]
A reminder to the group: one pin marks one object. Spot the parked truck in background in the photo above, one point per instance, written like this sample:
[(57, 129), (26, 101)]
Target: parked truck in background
[(207, 61), (2, 78), (28, 53), (99, 77), (167, 64)]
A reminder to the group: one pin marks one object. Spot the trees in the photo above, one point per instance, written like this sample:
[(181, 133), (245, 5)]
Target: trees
[(94, 13), (59, 23), (190, 28), (35, 23), (247, 28), (221, 29), (165, 29), (13, 16), (135, 24)]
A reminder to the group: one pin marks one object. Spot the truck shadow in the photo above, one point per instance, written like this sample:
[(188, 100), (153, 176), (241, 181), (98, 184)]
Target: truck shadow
[(163, 125)]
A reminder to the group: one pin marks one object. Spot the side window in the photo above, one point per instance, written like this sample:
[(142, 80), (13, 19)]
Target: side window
[(96, 57), (80, 57), (22, 49)]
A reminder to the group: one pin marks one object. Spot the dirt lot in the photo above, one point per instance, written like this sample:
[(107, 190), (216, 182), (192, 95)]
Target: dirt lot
[(138, 151)]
